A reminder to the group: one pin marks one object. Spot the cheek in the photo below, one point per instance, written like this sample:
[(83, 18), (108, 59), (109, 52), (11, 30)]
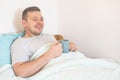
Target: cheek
[(43, 23), (32, 25)]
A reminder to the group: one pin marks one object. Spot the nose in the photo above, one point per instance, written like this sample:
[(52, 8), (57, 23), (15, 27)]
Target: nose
[(39, 22)]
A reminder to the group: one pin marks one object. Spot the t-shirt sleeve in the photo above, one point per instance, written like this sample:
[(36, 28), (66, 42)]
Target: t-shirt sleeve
[(18, 52)]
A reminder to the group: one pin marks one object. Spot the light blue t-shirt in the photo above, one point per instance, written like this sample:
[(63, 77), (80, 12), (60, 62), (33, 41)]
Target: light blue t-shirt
[(23, 48)]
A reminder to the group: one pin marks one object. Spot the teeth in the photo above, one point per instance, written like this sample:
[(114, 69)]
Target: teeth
[(38, 27)]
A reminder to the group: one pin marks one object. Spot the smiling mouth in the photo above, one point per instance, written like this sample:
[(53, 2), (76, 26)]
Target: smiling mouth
[(38, 27)]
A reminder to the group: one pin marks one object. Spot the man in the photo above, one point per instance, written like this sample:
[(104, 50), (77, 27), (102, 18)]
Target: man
[(23, 48)]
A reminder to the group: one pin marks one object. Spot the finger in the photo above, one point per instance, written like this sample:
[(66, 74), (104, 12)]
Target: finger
[(73, 49), (71, 44), (59, 44), (76, 50)]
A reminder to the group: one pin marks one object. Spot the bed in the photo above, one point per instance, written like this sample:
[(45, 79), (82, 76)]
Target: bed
[(69, 66)]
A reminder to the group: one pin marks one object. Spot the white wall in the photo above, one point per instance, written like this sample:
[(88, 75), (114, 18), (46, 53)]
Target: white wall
[(10, 14), (93, 24)]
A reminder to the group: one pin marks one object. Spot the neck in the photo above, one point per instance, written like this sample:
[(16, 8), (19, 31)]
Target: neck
[(28, 35)]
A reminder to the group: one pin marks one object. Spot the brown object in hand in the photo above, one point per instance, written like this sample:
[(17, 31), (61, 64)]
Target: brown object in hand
[(58, 37)]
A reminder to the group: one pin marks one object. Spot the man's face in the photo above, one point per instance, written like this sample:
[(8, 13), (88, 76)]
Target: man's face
[(34, 23)]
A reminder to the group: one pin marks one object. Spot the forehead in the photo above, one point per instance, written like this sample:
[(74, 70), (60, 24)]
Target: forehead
[(34, 14)]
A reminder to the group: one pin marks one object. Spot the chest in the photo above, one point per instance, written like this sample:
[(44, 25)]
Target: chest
[(34, 44)]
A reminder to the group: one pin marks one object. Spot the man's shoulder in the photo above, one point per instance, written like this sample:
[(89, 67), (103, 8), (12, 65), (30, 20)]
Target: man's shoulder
[(46, 35), (18, 40)]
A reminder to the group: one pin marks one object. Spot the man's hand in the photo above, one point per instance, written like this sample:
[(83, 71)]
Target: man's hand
[(55, 50), (73, 47)]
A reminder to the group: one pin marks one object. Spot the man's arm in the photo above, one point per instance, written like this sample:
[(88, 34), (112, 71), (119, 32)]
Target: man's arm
[(27, 69)]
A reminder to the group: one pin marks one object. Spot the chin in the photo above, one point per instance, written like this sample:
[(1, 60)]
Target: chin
[(38, 33)]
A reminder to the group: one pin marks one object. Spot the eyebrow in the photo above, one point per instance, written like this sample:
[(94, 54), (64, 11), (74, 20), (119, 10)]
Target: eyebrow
[(36, 17)]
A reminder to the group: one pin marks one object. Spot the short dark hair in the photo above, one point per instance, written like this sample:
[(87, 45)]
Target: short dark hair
[(29, 9)]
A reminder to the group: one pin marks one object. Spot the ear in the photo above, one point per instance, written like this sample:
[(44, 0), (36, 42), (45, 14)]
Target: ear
[(24, 23)]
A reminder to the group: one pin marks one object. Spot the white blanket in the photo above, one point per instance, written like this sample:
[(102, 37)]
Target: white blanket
[(74, 66), (69, 66)]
